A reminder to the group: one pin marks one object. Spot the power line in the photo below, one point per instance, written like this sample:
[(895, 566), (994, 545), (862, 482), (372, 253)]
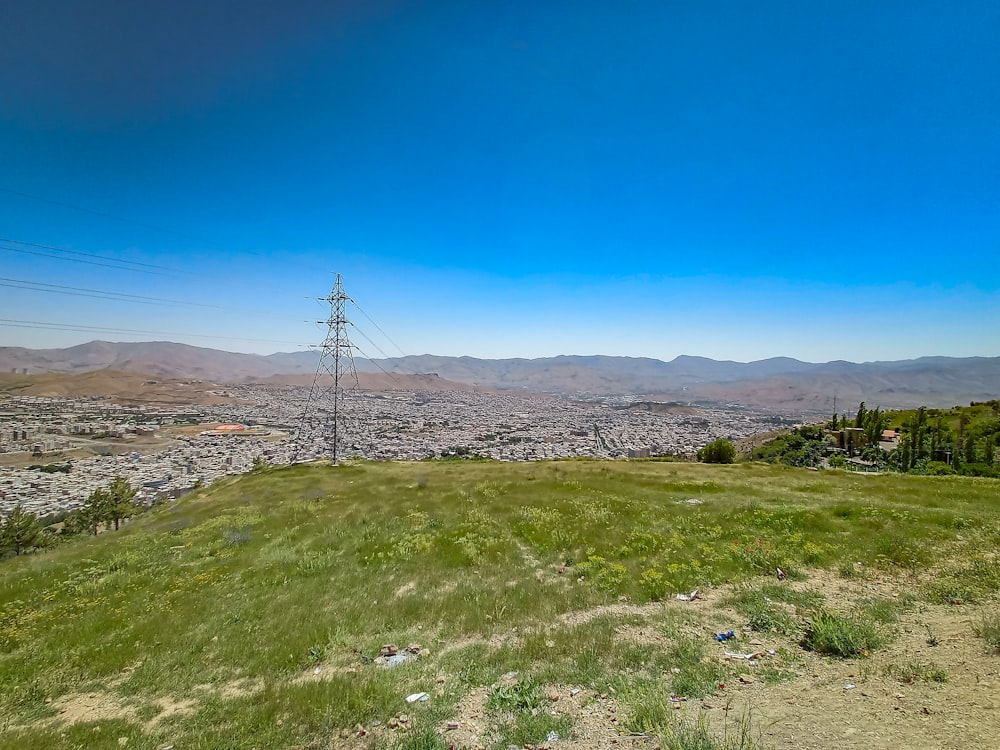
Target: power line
[(380, 331), (377, 347), (37, 286), (134, 222), (116, 264), (87, 262), (89, 255), (381, 369)]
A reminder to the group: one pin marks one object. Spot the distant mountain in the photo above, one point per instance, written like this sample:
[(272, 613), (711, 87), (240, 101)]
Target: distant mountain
[(777, 383), (162, 358)]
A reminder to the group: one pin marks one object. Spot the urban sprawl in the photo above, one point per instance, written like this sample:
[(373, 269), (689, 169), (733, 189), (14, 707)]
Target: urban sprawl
[(54, 452)]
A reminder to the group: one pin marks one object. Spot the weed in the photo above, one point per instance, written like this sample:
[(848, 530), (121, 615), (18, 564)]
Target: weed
[(533, 729), (916, 671), (422, 739), (647, 703), (520, 718), (886, 611), (763, 614), (987, 627), (524, 695), (696, 675), (966, 584), (802, 599), (932, 639), (315, 655), (903, 551), (684, 734), (607, 576), (847, 570), (839, 635)]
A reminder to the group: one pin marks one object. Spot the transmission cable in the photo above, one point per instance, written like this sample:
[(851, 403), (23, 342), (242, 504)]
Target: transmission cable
[(89, 255), (379, 330), (37, 286), (374, 362), (88, 262)]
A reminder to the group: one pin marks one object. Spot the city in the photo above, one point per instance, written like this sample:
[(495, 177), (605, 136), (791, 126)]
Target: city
[(54, 452)]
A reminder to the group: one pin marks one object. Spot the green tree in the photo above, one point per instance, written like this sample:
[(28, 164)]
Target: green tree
[(96, 512), (916, 430), (121, 501), (874, 423), (859, 420), (970, 449), (20, 531), (719, 451)]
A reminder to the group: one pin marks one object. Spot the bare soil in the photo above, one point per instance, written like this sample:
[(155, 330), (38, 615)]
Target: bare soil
[(827, 703)]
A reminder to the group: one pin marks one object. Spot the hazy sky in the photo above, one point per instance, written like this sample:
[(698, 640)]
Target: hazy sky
[(733, 179)]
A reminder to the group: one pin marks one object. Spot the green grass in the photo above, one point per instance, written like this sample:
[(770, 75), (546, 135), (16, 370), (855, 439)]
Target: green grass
[(886, 611), (916, 671), (968, 582), (230, 596), (519, 715), (841, 635), (698, 673), (673, 729)]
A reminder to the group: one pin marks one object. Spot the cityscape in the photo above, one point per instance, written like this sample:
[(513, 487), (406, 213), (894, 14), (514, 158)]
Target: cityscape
[(55, 451)]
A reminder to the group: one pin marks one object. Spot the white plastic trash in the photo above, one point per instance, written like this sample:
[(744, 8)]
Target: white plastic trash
[(417, 697)]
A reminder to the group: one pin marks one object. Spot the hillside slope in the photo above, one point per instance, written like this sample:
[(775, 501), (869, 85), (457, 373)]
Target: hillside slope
[(534, 599)]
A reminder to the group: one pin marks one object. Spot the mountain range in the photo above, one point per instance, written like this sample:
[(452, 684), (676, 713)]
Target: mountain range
[(779, 383)]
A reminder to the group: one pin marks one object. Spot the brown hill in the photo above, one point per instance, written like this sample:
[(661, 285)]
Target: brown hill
[(377, 381), (124, 387), (777, 383)]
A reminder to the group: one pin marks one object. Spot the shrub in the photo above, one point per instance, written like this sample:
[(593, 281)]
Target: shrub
[(838, 635), (766, 617), (719, 451), (916, 671)]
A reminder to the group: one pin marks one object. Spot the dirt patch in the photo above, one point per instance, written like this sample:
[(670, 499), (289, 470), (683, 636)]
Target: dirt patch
[(81, 708), (597, 720), (864, 703), (169, 708), (621, 609), (405, 589), (84, 708)]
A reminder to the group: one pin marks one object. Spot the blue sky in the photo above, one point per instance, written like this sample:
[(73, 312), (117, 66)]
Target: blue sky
[(727, 179)]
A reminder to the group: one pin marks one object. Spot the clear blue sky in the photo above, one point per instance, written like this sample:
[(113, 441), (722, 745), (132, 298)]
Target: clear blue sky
[(734, 179)]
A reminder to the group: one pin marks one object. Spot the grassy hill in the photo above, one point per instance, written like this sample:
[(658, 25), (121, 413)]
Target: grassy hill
[(542, 599)]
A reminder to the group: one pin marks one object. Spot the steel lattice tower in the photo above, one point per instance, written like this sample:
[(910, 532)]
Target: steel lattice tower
[(336, 363)]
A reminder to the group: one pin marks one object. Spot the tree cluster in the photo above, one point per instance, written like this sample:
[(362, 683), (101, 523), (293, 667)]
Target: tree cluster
[(20, 532), (928, 444), (803, 446), (719, 451), (956, 441), (104, 507)]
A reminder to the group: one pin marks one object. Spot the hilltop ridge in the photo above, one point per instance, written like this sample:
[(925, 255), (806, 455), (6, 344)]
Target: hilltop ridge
[(777, 382)]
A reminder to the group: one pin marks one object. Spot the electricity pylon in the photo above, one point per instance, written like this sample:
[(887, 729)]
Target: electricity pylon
[(336, 363)]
